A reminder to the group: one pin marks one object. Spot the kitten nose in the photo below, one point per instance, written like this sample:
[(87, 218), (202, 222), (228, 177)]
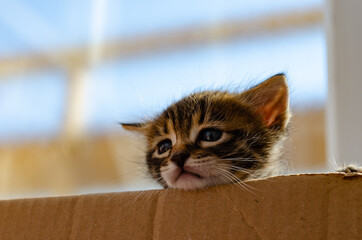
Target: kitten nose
[(180, 158)]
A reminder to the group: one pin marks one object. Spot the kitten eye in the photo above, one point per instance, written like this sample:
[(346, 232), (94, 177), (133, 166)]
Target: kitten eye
[(164, 146), (210, 135)]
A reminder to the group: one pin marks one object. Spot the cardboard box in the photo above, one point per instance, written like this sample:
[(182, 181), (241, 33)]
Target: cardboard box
[(315, 206)]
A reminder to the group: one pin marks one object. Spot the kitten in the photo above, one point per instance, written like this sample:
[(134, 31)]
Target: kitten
[(216, 137)]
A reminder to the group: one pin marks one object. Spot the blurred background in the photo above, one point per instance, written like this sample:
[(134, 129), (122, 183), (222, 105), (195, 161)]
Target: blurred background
[(71, 70)]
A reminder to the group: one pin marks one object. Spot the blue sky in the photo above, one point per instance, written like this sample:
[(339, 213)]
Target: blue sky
[(30, 25), (129, 90)]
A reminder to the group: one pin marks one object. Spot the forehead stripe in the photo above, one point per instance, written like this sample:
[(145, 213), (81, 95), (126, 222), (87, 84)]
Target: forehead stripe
[(202, 111), (165, 129), (173, 118)]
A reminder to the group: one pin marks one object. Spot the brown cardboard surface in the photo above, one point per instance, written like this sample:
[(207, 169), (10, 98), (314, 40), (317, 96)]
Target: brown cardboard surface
[(315, 206)]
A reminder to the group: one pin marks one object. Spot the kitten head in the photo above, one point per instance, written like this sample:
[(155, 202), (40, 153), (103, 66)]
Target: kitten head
[(216, 137)]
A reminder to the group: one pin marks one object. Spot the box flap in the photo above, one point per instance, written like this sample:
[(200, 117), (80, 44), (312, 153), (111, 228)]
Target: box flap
[(315, 206)]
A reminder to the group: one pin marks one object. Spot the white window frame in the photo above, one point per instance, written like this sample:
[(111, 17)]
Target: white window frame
[(344, 110)]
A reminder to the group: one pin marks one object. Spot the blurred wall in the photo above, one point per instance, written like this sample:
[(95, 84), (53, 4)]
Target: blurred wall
[(116, 162)]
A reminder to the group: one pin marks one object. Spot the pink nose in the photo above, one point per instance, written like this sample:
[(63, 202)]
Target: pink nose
[(180, 158)]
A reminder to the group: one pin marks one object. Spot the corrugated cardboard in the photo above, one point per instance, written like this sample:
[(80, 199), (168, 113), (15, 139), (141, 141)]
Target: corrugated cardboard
[(321, 206)]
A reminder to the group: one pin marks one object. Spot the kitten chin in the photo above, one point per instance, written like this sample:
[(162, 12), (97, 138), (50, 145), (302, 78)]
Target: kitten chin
[(217, 137)]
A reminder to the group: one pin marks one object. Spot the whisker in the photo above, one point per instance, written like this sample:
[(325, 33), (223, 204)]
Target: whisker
[(229, 179), (225, 177), (243, 183), (158, 179), (244, 170), (238, 180), (239, 159)]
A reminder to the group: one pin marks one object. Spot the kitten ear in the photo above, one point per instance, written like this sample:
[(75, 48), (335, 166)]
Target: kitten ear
[(134, 127), (270, 99)]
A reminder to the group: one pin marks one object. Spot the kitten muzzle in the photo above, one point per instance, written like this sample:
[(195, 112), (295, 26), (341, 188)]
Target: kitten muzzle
[(183, 171), (180, 158)]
